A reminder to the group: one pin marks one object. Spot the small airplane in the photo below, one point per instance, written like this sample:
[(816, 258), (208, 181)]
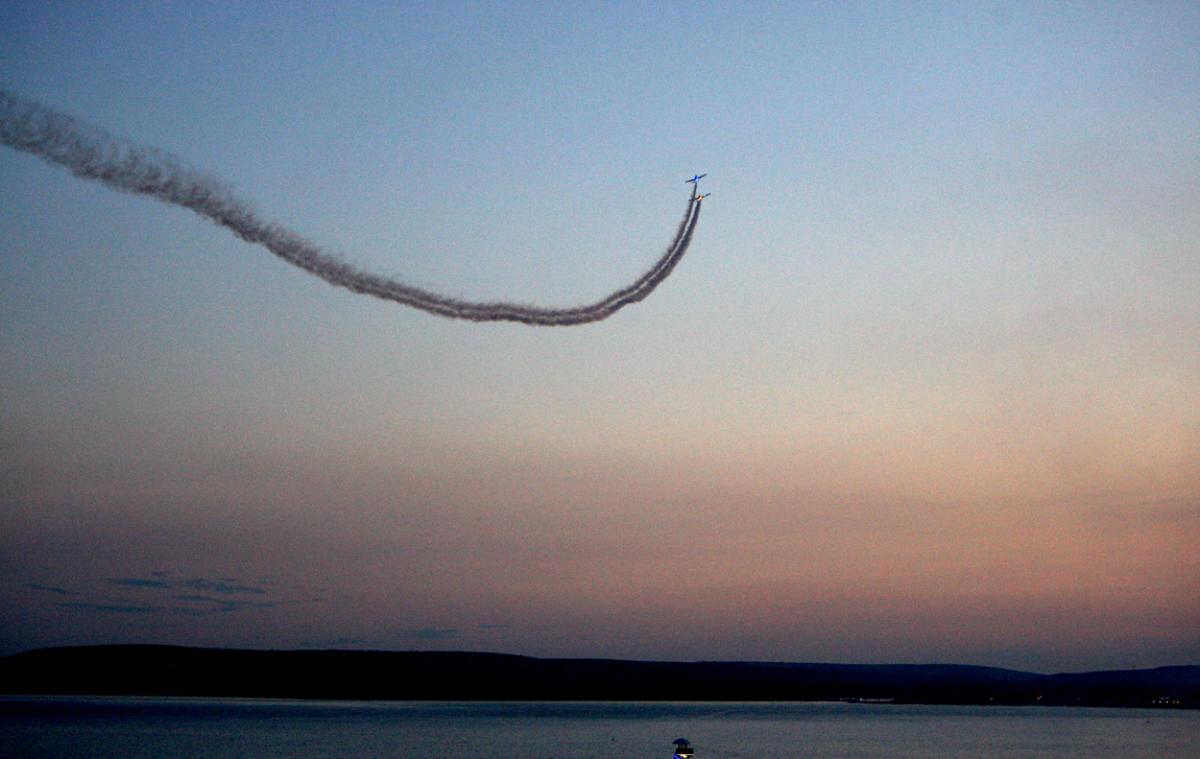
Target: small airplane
[(696, 179), (702, 197)]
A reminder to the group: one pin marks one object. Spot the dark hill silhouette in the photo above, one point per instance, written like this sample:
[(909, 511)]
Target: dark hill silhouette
[(178, 671)]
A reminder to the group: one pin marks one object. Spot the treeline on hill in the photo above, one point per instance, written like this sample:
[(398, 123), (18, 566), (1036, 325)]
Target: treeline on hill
[(178, 671)]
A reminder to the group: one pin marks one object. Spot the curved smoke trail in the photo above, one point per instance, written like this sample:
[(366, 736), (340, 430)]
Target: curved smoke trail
[(90, 152)]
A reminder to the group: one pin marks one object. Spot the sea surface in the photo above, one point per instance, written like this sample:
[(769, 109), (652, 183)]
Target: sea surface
[(136, 728)]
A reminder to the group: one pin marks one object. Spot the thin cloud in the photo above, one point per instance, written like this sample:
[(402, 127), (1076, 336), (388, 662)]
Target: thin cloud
[(430, 633), (1160, 511), (228, 585), (49, 589), (136, 582), (333, 643), (224, 606), (114, 608), (169, 596), (223, 586)]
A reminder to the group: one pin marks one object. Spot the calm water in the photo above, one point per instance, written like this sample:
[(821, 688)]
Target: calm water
[(131, 728)]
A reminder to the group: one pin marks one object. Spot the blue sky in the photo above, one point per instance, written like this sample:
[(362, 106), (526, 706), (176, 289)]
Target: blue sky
[(922, 389)]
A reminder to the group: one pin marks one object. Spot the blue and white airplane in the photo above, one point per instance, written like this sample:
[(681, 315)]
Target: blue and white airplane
[(696, 179)]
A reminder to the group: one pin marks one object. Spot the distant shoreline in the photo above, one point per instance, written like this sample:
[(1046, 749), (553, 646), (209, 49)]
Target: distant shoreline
[(148, 670)]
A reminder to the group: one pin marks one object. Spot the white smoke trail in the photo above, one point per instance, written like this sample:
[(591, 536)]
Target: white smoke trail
[(92, 153)]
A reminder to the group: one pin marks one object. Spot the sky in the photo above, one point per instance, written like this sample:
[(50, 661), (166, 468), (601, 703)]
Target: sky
[(924, 387)]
